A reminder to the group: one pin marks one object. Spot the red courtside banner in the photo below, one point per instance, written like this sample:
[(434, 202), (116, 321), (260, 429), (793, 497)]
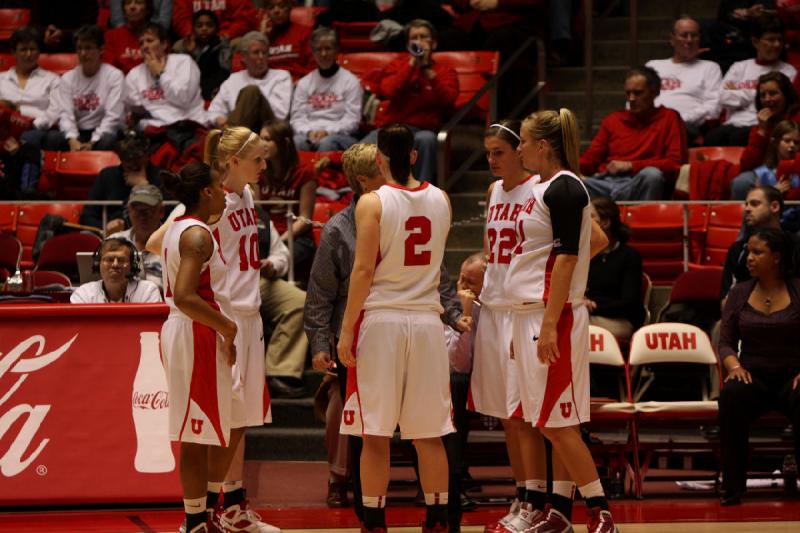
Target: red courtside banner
[(83, 406)]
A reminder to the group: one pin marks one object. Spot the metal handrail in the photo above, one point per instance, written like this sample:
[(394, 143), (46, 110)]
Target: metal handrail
[(444, 136)]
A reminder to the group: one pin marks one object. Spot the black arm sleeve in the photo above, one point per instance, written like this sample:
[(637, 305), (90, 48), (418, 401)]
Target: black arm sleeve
[(566, 198)]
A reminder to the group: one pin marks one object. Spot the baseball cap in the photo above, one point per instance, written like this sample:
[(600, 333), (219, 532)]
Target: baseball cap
[(145, 194)]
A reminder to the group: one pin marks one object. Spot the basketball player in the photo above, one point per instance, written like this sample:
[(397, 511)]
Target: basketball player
[(550, 323), (494, 388), (197, 339), (391, 332)]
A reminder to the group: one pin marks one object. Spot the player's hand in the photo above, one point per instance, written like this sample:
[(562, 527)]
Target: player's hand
[(591, 305), (464, 324), (345, 349), (547, 345), (619, 167), (740, 374), (322, 361)]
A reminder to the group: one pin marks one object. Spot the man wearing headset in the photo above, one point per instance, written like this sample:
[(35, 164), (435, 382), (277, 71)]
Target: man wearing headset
[(118, 263)]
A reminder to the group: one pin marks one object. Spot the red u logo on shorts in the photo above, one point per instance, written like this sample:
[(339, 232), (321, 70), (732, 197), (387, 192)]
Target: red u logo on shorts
[(197, 426), (349, 416), (566, 409)]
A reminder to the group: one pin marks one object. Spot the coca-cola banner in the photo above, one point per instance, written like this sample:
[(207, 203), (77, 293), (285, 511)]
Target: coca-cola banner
[(83, 406)]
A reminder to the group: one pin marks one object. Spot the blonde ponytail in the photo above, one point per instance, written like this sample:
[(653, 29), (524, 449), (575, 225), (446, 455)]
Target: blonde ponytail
[(570, 140), (221, 145)]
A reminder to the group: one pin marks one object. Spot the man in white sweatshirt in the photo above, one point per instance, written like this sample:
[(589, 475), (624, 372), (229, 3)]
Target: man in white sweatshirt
[(89, 99), (738, 93), (165, 88), (275, 85), (326, 107), (689, 85)]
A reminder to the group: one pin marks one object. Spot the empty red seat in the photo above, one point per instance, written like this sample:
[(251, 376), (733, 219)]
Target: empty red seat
[(306, 16), (11, 19), (58, 253), (724, 225), (28, 220), (75, 172), (8, 218), (58, 63), (10, 254), (354, 36), (474, 69)]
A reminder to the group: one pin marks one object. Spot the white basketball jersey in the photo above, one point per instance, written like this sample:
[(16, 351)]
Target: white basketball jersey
[(213, 283), (413, 233), (236, 234), (555, 219), (501, 235)]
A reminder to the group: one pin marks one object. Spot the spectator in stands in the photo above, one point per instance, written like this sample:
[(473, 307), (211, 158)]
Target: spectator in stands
[(758, 348), (614, 289), (286, 178), (122, 43), (289, 42), (58, 21), (282, 311), (235, 106), (145, 209), (728, 37), (637, 153), (420, 93), (497, 26), (116, 183), (689, 85), (236, 17), (776, 101), (118, 264), (165, 89), (161, 13), (738, 94), (27, 88), (89, 98), (762, 209), (326, 107), (211, 53)]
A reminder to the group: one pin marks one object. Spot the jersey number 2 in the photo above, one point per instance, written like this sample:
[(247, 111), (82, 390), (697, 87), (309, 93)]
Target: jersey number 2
[(252, 262), (420, 235), (507, 241)]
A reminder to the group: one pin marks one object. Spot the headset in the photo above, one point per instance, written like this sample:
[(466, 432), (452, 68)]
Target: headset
[(135, 260)]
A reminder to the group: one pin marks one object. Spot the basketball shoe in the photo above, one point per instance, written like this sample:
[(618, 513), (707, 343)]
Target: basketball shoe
[(554, 523), (513, 511), (240, 517), (527, 518), (600, 521)]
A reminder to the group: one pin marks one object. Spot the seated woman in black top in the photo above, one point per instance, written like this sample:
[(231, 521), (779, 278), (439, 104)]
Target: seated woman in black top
[(115, 183), (614, 289), (763, 313)]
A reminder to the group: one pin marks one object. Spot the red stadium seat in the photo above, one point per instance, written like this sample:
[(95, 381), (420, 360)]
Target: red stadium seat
[(10, 254), (11, 19), (323, 211), (103, 17), (42, 278), (731, 154), (7, 61), (58, 63), (28, 224), (58, 253), (76, 171), (8, 218), (724, 224), (474, 70), (354, 36), (307, 16)]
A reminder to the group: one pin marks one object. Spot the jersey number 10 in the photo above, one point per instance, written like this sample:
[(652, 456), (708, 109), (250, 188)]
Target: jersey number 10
[(252, 262), (420, 235)]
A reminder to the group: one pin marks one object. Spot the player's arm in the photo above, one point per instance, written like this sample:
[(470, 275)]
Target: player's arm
[(486, 251), (368, 220), (566, 199), (598, 241), (196, 246), (157, 238)]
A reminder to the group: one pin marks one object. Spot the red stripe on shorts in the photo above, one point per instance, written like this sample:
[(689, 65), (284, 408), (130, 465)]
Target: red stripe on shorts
[(203, 389), (559, 374), (518, 412), (352, 375), (266, 401)]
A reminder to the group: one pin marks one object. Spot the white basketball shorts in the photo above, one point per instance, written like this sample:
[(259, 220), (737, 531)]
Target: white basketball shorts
[(251, 403)]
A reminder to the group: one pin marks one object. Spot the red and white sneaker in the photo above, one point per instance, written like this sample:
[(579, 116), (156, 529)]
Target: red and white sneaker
[(554, 523), (241, 518), (526, 519), (600, 521), (513, 511)]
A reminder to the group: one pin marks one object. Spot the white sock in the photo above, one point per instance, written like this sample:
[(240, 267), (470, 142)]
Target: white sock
[(194, 506), (592, 490), (435, 498), (231, 486), (375, 502), (214, 487), (565, 488), (539, 485)]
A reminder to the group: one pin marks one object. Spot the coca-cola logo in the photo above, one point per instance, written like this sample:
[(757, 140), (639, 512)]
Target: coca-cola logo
[(19, 456), (150, 400)]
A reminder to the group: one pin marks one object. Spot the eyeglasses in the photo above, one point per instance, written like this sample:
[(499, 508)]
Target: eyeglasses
[(111, 260)]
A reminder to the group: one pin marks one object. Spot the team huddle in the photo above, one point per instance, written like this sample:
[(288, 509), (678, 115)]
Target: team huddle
[(531, 343)]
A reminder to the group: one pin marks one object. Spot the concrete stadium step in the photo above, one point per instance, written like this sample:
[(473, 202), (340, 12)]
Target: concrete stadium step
[(294, 413), (473, 181), (466, 205), (268, 443), (604, 102), (618, 52), (616, 28), (574, 79), (465, 236)]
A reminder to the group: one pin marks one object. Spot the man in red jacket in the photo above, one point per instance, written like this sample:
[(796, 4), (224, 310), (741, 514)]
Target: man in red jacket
[(236, 17), (420, 92), (638, 151)]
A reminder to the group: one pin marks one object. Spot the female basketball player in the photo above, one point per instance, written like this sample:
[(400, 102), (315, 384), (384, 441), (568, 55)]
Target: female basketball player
[(398, 348), (494, 388), (550, 322), (197, 339)]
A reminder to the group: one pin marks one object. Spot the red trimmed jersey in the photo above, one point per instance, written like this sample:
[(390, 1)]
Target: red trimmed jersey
[(413, 233), (556, 219), (236, 233), (501, 235)]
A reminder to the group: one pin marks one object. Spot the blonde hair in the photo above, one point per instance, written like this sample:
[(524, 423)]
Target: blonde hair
[(221, 145), (359, 160), (560, 130)]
